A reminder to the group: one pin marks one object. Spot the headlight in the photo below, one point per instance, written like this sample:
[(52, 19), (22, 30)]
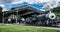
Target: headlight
[(51, 16), (23, 19), (9, 19)]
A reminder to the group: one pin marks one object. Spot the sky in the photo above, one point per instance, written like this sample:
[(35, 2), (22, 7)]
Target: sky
[(39, 4)]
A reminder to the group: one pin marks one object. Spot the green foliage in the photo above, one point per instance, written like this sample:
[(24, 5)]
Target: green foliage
[(56, 10), (0, 9), (18, 28)]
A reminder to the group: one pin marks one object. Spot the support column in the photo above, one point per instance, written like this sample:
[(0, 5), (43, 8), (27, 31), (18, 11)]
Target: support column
[(3, 18), (17, 16), (16, 21)]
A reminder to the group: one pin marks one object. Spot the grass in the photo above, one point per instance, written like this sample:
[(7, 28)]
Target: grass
[(17, 28)]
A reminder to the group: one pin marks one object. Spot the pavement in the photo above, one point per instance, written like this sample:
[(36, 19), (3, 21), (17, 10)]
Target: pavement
[(38, 27), (49, 28)]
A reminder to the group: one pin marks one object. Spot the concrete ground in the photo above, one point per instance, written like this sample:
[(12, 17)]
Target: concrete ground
[(49, 28), (38, 27)]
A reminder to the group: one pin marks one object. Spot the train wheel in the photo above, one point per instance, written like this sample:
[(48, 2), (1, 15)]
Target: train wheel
[(51, 22)]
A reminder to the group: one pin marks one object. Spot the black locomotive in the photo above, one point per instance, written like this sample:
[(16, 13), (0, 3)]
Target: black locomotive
[(28, 15)]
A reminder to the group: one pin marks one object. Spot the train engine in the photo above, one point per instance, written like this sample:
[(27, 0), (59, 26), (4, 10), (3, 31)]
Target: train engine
[(41, 19), (28, 15)]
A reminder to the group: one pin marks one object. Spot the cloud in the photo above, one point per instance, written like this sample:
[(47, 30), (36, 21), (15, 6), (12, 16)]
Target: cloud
[(29, 1), (2, 5), (18, 1), (57, 0), (51, 3), (41, 1), (4, 10), (5, 1)]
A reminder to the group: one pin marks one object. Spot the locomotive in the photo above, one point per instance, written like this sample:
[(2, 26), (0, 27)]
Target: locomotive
[(41, 19), (28, 15)]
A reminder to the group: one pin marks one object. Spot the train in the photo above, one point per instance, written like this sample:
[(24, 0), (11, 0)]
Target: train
[(29, 16)]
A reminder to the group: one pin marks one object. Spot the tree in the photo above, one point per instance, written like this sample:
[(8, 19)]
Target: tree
[(0, 9), (57, 9), (0, 15)]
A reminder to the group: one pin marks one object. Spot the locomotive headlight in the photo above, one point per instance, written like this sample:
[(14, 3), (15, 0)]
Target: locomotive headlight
[(23, 19), (9, 19), (51, 16)]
